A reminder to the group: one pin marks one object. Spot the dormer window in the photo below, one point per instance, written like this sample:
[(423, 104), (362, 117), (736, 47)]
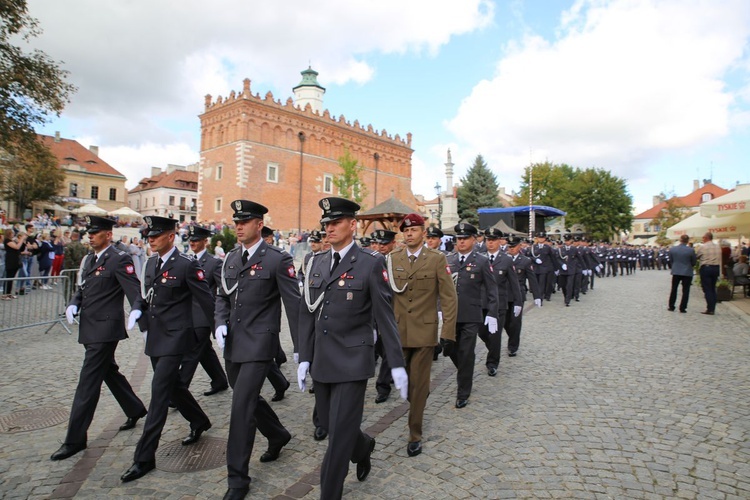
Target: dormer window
[(706, 197), (70, 158)]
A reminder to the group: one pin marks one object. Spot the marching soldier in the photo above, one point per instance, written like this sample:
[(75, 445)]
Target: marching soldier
[(384, 242), (255, 278), (419, 278), (473, 277), (566, 257), (203, 352), (508, 296), (106, 275), (170, 282), (524, 270), (544, 266), (345, 292), (434, 239)]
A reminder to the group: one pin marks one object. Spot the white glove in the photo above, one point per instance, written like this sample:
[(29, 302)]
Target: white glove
[(374, 336), (401, 381), (491, 324), (517, 310), (440, 316), (70, 312), (598, 268), (538, 302), (135, 315), (221, 336), (145, 336), (564, 267), (302, 374), (538, 261), (557, 273), (296, 357)]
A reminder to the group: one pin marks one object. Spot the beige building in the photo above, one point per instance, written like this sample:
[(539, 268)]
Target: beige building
[(171, 192)]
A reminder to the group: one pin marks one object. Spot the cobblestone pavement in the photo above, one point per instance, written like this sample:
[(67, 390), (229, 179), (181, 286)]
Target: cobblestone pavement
[(613, 397)]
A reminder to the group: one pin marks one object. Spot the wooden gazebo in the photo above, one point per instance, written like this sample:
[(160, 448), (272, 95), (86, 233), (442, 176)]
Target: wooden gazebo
[(387, 214)]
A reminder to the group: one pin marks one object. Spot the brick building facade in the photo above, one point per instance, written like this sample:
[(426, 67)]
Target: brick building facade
[(285, 156)]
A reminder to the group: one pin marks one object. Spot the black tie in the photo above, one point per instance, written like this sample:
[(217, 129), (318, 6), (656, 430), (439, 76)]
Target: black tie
[(159, 263), (244, 257), (492, 259), (463, 259), (336, 260)]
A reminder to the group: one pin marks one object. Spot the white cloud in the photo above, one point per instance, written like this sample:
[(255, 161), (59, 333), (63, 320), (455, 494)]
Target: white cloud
[(624, 82), (135, 162)]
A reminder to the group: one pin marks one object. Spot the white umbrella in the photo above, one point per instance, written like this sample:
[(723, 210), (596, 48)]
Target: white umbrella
[(736, 202), (89, 209), (125, 212), (730, 226), (55, 207)]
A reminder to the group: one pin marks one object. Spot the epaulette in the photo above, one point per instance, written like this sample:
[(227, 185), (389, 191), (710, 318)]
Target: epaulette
[(186, 256), (277, 249), (120, 252)]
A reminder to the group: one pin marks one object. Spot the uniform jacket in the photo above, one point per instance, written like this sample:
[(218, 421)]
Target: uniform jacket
[(508, 289), (542, 257), (252, 310), (426, 281), (211, 266), (168, 313), (525, 271), (337, 336), (472, 280), (568, 256), (100, 297)]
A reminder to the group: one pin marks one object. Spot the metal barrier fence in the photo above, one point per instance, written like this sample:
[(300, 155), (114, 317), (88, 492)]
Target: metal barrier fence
[(42, 303)]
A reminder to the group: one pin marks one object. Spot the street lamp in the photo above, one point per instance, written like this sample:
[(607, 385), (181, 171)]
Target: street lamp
[(440, 206)]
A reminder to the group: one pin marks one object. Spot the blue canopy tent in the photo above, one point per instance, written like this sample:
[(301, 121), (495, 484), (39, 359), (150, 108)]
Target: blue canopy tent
[(517, 217)]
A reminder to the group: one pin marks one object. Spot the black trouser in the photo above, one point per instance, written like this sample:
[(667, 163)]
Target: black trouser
[(513, 325), (566, 284), (99, 366), (463, 357), (685, 281), (493, 341), (166, 386), (709, 277), (340, 407), (249, 412), (203, 353), (384, 380)]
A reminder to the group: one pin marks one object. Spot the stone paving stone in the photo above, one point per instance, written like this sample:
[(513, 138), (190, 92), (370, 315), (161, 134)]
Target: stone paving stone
[(613, 397)]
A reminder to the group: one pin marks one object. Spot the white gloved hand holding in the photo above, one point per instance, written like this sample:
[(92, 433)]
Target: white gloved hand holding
[(401, 381), (538, 261), (440, 316), (70, 312), (564, 267), (491, 324), (302, 374), (135, 315), (374, 336), (296, 357), (517, 310), (538, 302), (145, 336), (221, 336), (557, 273)]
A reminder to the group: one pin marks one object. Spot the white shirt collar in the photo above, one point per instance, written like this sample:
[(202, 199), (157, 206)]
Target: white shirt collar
[(343, 251), (415, 254), (251, 251), (167, 255), (102, 252), (200, 254)]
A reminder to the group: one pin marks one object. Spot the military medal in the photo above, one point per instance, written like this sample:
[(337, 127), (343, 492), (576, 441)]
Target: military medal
[(96, 273), (252, 273), (342, 282), (164, 280)]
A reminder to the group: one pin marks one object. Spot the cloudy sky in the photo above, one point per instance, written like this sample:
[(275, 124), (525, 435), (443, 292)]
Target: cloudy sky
[(657, 91)]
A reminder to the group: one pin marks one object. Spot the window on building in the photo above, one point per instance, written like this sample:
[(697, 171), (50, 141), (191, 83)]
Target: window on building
[(327, 183), (219, 171), (138, 204), (94, 192), (171, 201), (182, 203), (113, 194), (153, 201), (145, 202), (272, 173), (706, 197), (73, 190), (193, 208), (182, 218), (217, 207)]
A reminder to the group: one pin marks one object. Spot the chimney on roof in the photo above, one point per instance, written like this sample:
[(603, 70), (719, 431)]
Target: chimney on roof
[(696, 185), (155, 171), (94, 149), (657, 199), (57, 136)]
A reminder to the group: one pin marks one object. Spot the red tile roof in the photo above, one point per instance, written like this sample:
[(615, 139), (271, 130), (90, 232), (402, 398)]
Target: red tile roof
[(178, 179), (692, 200), (69, 152)]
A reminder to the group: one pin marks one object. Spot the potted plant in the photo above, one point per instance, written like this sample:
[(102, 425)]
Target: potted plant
[(723, 290)]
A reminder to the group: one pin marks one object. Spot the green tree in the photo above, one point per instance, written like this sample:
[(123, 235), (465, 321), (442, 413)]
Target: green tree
[(478, 190), (349, 183), (550, 185), (32, 174), (32, 85), (673, 212), (600, 202)]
